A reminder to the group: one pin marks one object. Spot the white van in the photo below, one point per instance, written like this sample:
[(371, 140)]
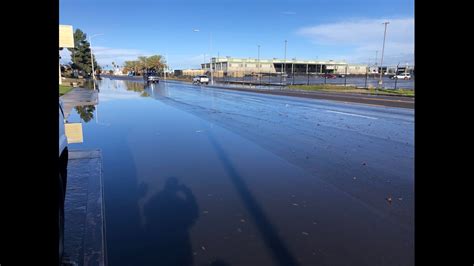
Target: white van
[(402, 76)]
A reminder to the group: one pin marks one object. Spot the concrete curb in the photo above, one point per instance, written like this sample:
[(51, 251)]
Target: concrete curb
[(85, 239)]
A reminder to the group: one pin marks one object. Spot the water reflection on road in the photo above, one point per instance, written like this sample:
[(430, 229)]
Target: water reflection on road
[(201, 176)]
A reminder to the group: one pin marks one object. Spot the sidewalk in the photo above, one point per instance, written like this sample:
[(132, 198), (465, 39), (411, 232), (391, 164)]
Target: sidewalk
[(78, 97), (84, 229)]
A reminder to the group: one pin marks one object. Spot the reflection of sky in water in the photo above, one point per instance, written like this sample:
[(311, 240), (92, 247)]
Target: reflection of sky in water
[(249, 161)]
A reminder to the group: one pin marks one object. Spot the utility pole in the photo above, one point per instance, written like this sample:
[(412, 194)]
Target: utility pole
[(284, 66), (164, 67), (92, 62), (383, 48), (258, 62), (396, 76), (210, 56), (92, 57)]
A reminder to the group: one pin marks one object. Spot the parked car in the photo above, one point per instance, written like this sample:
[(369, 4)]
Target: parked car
[(63, 159), (329, 76), (402, 76), (201, 79)]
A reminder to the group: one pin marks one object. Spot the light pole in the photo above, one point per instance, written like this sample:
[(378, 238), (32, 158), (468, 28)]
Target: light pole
[(92, 57), (285, 58), (258, 62), (210, 54), (396, 78), (383, 48), (165, 66)]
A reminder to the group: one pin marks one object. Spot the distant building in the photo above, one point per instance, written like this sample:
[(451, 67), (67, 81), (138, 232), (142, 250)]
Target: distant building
[(228, 66)]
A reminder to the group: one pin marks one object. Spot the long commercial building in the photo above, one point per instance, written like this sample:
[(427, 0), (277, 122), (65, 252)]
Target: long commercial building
[(228, 66)]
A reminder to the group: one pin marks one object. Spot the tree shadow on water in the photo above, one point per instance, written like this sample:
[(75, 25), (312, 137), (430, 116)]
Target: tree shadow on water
[(170, 214)]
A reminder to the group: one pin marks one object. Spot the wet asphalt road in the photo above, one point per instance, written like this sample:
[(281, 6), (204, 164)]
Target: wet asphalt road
[(202, 176)]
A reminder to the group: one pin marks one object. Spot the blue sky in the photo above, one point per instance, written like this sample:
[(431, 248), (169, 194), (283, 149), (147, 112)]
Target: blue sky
[(338, 30)]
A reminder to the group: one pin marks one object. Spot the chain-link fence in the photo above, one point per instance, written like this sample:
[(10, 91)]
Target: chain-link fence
[(368, 80)]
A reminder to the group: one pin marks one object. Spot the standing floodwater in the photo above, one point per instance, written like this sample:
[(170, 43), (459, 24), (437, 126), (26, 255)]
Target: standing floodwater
[(203, 176)]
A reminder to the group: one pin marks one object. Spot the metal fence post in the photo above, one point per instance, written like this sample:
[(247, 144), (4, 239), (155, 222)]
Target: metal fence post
[(345, 77), (396, 79), (366, 76)]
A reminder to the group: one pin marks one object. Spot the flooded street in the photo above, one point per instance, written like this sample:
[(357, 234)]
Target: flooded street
[(204, 176)]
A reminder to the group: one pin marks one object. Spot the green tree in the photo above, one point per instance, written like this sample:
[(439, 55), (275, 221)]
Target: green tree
[(142, 63), (81, 53), (131, 66), (156, 62)]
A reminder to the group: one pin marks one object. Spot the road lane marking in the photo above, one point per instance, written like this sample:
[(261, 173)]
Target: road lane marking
[(342, 113)]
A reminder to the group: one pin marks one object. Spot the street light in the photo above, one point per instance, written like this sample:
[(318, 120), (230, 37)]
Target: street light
[(284, 69), (92, 56), (210, 53), (258, 62), (383, 47)]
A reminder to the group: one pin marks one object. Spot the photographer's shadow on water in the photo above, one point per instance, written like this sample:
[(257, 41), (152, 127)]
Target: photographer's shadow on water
[(170, 214)]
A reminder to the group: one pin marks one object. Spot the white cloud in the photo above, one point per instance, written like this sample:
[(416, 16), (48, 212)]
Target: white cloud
[(107, 55), (365, 36)]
